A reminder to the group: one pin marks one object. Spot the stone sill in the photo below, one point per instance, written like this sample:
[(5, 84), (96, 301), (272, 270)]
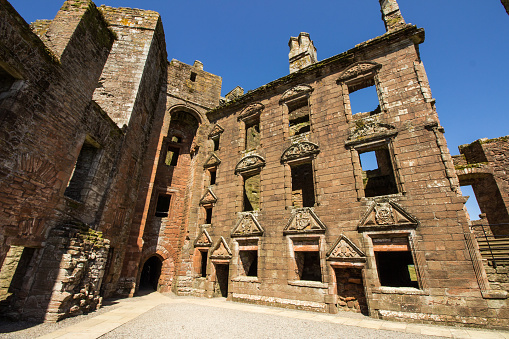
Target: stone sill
[(247, 279), (399, 290), (307, 283)]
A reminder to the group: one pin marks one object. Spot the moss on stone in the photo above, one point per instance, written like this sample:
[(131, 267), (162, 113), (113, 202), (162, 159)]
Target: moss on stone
[(476, 165)]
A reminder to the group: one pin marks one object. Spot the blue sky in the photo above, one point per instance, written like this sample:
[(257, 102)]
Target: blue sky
[(245, 42)]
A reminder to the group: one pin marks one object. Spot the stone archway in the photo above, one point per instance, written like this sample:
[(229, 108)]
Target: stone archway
[(151, 273)]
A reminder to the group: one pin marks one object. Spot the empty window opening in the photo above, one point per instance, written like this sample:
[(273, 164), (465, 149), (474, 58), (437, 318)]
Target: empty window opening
[(364, 99), (303, 189), (82, 175), (377, 173), (176, 139), (14, 269), (150, 274), (193, 76), (172, 156), (472, 205), (208, 215), (308, 265), (6, 80), (203, 267), (216, 143), (213, 176), (249, 261), (298, 116), (252, 134), (252, 192), (163, 206)]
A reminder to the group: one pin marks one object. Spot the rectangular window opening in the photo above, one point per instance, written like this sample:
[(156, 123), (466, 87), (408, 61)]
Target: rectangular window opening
[(298, 116), (364, 98), (252, 137), (394, 261), (251, 192), (172, 156), (208, 215), (6, 80), (377, 173), (213, 176), (83, 171), (472, 205), (14, 269), (249, 261), (216, 143), (203, 267), (163, 206), (193, 76), (308, 265), (176, 139), (303, 189)]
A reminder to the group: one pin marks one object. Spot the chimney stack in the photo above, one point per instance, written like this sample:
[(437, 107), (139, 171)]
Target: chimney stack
[(391, 15), (302, 52)]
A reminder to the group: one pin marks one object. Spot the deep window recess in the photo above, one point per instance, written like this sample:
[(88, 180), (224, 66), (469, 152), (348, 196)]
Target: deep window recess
[(252, 136), (308, 265), (216, 143), (252, 192), (213, 175), (377, 172), (298, 116), (193, 76), (6, 80), (172, 156), (303, 190), (472, 205), (176, 139), (394, 262), (208, 215), (249, 260), (163, 206), (203, 267), (364, 98), (83, 172)]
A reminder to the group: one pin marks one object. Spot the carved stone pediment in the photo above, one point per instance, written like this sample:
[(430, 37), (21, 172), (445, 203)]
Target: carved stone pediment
[(251, 110), (249, 162), (369, 128), (216, 130), (358, 68), (212, 161), (299, 150), (295, 92), (304, 220), (221, 250), (203, 240), (386, 215), (208, 198), (345, 250), (247, 226)]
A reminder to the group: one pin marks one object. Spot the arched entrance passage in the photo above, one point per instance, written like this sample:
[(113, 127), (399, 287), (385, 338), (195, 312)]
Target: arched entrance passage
[(150, 273)]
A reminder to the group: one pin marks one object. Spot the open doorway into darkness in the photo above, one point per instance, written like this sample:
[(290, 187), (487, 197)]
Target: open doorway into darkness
[(221, 288), (150, 274)]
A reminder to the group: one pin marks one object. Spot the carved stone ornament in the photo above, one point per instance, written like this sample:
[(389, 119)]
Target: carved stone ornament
[(212, 161), (295, 92), (249, 162), (345, 250), (247, 226), (251, 110), (304, 220), (386, 215), (369, 128), (358, 68), (299, 150), (208, 198), (216, 130), (203, 240), (221, 250)]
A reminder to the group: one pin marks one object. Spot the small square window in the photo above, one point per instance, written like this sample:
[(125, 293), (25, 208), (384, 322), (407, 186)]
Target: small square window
[(163, 206), (363, 97), (193, 76), (308, 265)]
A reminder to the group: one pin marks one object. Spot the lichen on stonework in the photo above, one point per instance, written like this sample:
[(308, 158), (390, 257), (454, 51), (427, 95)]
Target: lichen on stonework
[(476, 165)]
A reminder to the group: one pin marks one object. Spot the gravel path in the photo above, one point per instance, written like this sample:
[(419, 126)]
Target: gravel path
[(183, 320)]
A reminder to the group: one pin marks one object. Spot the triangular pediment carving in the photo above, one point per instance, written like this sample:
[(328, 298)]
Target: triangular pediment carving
[(216, 130), (386, 215), (304, 220), (369, 128), (221, 250), (247, 226), (296, 92), (208, 198), (358, 68), (345, 250), (212, 161), (251, 111), (249, 162), (299, 150), (203, 239)]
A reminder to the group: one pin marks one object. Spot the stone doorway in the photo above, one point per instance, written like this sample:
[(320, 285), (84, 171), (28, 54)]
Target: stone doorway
[(150, 274), (350, 290), (222, 275)]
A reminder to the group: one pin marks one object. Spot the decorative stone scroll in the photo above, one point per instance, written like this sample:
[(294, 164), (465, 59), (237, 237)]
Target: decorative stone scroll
[(251, 111), (221, 250), (304, 220), (247, 226), (203, 239), (369, 128), (345, 250), (249, 163), (216, 130), (208, 198), (386, 215), (295, 92), (299, 150), (212, 161), (358, 68)]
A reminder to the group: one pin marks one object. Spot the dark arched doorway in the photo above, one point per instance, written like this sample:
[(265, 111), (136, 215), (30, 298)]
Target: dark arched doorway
[(150, 274)]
